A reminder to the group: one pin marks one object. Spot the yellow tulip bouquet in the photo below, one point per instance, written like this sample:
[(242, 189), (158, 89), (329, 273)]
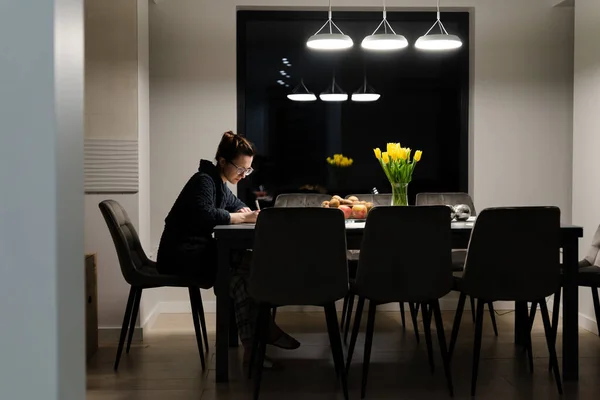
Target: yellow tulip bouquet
[(398, 167), (338, 172), (339, 160)]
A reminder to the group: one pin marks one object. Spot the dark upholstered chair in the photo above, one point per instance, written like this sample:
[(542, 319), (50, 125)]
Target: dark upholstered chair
[(391, 270), (315, 271), (141, 273), (588, 276), (301, 199), (458, 255), (526, 270), (384, 199)]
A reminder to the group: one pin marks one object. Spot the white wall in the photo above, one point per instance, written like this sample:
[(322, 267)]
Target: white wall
[(150, 297), (116, 97), (520, 96), (42, 348), (586, 136)]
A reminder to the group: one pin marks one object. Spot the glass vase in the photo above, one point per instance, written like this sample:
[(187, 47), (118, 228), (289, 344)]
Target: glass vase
[(399, 194)]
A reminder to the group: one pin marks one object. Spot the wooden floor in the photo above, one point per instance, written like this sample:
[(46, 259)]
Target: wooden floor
[(167, 365)]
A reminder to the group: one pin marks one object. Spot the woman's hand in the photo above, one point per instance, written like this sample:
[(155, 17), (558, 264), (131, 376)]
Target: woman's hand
[(244, 210), (240, 217)]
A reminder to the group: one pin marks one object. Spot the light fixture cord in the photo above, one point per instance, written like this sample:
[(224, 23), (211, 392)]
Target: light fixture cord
[(438, 22), (330, 23), (384, 17), (384, 22), (330, 14)]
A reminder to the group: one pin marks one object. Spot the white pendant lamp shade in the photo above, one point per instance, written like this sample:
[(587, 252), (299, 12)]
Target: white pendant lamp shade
[(388, 40), (384, 41), (301, 93), (330, 39), (365, 93), (334, 93), (438, 41)]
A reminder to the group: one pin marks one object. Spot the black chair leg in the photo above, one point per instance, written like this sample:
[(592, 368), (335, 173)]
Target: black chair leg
[(202, 319), (368, 345), (439, 327), (344, 310), (193, 292), (263, 329), (532, 313), (126, 320), (134, 315), (556, 311), (348, 317), (493, 317), (550, 340), (528, 345), (456, 326), (335, 340), (357, 318), (255, 343), (477, 345), (473, 309), (427, 330), (413, 315), (274, 312), (596, 306), (402, 317)]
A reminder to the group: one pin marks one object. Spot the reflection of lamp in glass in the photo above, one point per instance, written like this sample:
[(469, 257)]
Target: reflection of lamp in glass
[(438, 41), (301, 93), (334, 93), (331, 40), (365, 93), (384, 41)]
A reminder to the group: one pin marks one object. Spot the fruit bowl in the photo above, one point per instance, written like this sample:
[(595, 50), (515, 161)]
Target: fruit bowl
[(353, 208)]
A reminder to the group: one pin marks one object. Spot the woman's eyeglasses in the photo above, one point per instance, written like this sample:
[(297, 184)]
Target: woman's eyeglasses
[(242, 171)]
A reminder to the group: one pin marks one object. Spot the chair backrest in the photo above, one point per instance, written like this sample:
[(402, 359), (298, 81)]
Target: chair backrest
[(127, 242), (593, 256), (406, 254), (446, 198), (514, 254), (299, 257), (383, 199), (301, 199)]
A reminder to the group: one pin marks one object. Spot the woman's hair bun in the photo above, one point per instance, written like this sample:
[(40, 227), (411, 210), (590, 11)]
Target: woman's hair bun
[(233, 146)]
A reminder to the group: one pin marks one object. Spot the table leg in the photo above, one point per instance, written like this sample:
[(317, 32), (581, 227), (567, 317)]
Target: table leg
[(521, 323), (223, 312), (233, 330), (570, 303)]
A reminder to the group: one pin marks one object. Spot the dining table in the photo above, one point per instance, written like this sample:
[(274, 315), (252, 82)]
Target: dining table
[(230, 238)]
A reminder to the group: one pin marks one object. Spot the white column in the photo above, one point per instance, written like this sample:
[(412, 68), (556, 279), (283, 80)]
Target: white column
[(586, 137), (42, 353)]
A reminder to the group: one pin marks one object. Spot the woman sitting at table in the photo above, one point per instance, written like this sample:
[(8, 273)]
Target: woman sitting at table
[(187, 247)]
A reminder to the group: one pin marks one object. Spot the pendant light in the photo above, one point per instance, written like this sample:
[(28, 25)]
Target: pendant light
[(334, 93), (330, 40), (301, 93), (438, 41), (384, 41), (365, 93)]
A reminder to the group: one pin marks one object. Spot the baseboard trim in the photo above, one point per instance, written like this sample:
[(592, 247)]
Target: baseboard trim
[(448, 303), (210, 306), (111, 334)]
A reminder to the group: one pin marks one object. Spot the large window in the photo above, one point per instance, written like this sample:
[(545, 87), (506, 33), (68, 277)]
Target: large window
[(423, 103)]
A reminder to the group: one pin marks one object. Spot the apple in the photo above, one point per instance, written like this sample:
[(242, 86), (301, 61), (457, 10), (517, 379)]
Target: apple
[(359, 211), (347, 211)]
